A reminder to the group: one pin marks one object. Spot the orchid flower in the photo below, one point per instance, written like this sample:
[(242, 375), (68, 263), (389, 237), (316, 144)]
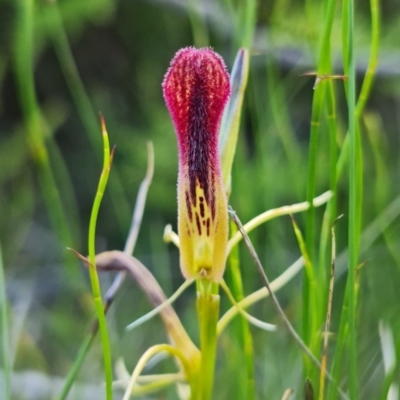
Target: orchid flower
[(196, 90)]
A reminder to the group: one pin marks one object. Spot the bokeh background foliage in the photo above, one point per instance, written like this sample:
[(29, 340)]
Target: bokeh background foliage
[(60, 66)]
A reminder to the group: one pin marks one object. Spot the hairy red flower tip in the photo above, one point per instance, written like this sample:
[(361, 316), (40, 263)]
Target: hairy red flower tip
[(196, 89)]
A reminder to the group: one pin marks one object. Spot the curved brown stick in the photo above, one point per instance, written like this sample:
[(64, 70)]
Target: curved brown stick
[(120, 261)]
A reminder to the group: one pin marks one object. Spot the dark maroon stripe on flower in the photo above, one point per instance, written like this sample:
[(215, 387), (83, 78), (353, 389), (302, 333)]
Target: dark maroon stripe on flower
[(201, 207), (212, 194), (198, 224), (187, 199), (196, 89)]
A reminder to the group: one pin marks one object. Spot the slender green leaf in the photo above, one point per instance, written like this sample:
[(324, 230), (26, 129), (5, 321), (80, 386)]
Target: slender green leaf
[(230, 124), (5, 334)]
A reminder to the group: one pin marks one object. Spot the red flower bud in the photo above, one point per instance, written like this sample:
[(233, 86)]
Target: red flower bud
[(196, 90)]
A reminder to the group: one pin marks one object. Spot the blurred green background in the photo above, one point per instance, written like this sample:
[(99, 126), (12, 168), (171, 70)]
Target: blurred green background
[(120, 51)]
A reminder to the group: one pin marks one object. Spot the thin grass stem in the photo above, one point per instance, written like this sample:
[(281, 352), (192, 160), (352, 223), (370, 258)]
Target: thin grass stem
[(341, 346), (277, 212), (310, 324), (247, 9), (330, 213), (151, 383), (373, 58), (275, 301), (119, 279), (5, 333), (244, 331), (151, 352), (287, 394), (208, 302), (73, 373), (94, 279), (369, 75), (158, 309), (260, 294), (328, 317), (252, 320), (390, 387), (140, 202), (354, 200), (309, 272), (324, 68)]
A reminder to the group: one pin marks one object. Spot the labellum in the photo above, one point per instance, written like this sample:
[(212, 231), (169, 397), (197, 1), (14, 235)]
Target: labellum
[(196, 90)]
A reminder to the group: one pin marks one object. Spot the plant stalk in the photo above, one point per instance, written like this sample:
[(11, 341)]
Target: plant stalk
[(207, 311)]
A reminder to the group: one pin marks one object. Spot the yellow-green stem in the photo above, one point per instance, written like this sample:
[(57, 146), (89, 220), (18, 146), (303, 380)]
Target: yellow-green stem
[(244, 331), (208, 311), (94, 279), (4, 334)]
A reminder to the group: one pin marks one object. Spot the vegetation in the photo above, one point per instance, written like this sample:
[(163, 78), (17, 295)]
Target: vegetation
[(311, 123)]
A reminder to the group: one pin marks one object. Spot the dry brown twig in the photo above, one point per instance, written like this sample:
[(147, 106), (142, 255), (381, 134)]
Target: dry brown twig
[(275, 301)]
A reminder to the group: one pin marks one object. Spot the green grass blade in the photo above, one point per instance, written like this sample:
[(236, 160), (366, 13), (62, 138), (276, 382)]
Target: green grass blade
[(390, 363), (207, 304), (354, 198), (244, 16), (373, 57), (369, 76), (311, 180), (324, 67), (318, 104), (5, 333), (314, 301), (331, 211), (248, 11), (230, 124), (243, 332), (72, 374), (341, 346), (118, 280), (94, 279), (342, 341)]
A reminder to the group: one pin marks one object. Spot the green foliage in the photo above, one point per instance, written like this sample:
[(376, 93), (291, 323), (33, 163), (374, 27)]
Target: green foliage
[(5, 335), (63, 61)]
